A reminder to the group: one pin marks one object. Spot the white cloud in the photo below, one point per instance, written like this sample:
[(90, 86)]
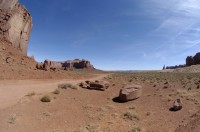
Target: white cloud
[(177, 23)]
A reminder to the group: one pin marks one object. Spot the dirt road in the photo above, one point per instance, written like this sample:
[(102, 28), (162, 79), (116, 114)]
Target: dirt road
[(11, 91)]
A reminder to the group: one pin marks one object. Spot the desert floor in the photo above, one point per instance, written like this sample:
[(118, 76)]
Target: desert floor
[(84, 110)]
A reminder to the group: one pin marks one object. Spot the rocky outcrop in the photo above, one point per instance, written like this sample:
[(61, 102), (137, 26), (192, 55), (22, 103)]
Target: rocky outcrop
[(78, 64), (7, 4), (70, 64), (197, 58), (189, 61), (15, 24), (193, 60)]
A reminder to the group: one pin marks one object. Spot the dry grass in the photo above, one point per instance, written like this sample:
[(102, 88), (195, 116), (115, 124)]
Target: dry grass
[(12, 118), (91, 128), (131, 115), (67, 85), (135, 129)]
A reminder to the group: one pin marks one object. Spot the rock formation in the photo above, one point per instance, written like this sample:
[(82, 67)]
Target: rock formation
[(76, 64), (189, 61), (193, 60), (15, 24), (197, 58)]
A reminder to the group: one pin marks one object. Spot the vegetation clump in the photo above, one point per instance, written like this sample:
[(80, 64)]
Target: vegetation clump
[(56, 91), (67, 85), (131, 115), (45, 98)]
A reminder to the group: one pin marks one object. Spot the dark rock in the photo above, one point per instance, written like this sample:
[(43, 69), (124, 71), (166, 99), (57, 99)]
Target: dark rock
[(177, 105), (193, 60), (197, 58), (189, 61)]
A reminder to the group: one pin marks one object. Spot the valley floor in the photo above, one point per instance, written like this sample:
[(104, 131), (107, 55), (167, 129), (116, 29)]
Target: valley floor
[(84, 110)]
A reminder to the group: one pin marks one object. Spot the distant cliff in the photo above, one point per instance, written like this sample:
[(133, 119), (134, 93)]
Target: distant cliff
[(74, 64), (190, 60), (193, 60), (15, 24)]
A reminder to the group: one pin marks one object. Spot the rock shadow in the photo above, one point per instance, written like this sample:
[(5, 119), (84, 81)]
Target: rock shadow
[(117, 100), (172, 109)]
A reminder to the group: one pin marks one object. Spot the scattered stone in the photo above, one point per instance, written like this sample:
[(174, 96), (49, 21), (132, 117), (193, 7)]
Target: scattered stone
[(9, 60), (177, 105), (130, 92)]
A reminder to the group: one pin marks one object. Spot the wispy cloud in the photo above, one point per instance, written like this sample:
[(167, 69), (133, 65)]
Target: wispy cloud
[(177, 19)]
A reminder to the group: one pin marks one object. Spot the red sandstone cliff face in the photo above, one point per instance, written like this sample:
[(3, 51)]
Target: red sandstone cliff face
[(15, 24), (76, 64)]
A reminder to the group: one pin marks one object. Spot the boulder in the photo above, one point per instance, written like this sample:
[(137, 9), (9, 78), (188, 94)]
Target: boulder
[(177, 105), (130, 92), (96, 85), (83, 85)]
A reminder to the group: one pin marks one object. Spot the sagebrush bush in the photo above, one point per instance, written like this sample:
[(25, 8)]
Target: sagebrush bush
[(46, 98), (56, 91), (131, 115), (67, 85)]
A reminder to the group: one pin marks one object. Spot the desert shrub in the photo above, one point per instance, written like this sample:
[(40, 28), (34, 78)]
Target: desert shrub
[(56, 91), (12, 118), (131, 115), (45, 98), (67, 85), (135, 129)]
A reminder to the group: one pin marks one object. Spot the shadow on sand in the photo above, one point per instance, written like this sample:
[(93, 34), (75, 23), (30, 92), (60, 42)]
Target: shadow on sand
[(117, 100), (174, 110)]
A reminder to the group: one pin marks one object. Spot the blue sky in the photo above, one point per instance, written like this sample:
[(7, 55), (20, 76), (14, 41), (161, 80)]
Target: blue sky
[(115, 34)]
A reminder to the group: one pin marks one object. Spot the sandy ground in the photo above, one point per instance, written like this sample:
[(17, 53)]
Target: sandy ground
[(11, 91), (83, 110)]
